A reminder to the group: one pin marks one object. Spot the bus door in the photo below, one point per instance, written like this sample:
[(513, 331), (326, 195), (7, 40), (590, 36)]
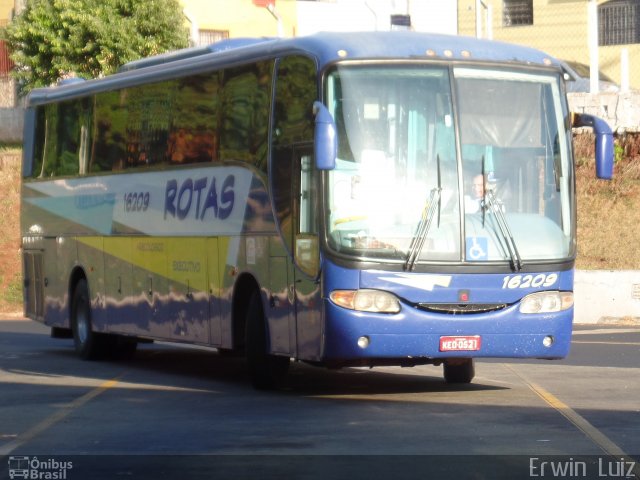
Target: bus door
[(306, 285), (294, 264)]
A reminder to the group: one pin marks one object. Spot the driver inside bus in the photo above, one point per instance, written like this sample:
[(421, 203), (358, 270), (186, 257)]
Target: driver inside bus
[(474, 201)]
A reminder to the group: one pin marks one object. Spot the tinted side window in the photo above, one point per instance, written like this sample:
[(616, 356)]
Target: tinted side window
[(244, 109), (147, 130), (295, 93), (39, 142), (193, 136), (110, 149), (210, 117), (62, 138)]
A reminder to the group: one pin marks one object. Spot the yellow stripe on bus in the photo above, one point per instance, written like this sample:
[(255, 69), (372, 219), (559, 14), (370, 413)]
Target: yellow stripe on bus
[(195, 261)]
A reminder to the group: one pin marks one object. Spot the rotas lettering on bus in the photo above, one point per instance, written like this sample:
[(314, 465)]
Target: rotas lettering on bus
[(199, 198)]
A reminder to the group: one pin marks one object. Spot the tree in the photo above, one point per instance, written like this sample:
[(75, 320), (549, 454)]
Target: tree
[(54, 39)]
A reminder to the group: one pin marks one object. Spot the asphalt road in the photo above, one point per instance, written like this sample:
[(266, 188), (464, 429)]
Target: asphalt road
[(189, 413)]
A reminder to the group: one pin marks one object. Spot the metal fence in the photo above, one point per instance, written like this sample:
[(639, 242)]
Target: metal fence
[(6, 64), (619, 23)]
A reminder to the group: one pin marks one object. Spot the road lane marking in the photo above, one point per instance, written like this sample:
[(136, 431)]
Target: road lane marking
[(606, 343), (596, 436), (600, 331), (61, 414)]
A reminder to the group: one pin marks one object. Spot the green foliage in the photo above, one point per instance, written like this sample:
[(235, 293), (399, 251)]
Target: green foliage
[(53, 39), (10, 146), (12, 294), (618, 153)]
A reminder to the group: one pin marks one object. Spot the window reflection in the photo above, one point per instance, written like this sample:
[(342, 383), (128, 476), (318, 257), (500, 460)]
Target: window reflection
[(396, 147), (209, 117), (513, 142)]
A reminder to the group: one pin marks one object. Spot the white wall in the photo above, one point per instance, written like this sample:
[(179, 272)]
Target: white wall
[(606, 296), (366, 15), (435, 16), (620, 110)]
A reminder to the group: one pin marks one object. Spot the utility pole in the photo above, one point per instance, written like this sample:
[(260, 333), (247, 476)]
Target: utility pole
[(592, 22)]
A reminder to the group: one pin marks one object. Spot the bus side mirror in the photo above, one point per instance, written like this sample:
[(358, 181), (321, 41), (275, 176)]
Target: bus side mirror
[(325, 138), (604, 142)]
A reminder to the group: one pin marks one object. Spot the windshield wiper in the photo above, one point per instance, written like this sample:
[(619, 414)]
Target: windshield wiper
[(423, 228), (496, 209), (425, 221)]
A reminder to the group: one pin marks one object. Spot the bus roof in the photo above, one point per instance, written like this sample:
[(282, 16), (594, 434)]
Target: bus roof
[(406, 44), (325, 47), (221, 46)]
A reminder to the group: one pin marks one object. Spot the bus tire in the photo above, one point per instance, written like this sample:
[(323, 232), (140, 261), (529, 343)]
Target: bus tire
[(459, 370), (89, 344), (265, 370)]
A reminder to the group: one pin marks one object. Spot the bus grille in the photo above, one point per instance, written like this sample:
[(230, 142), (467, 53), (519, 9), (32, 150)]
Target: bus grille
[(461, 308)]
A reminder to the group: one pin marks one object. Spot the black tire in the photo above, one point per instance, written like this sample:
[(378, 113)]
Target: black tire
[(459, 370), (266, 371), (89, 344)]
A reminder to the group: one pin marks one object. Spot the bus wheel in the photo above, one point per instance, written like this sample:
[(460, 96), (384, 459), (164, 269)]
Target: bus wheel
[(89, 344), (459, 370), (266, 371)]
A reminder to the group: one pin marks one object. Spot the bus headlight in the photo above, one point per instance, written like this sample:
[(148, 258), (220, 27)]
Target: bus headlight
[(376, 301), (546, 302)]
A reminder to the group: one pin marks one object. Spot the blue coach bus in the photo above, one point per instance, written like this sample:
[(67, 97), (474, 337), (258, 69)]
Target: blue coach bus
[(365, 199)]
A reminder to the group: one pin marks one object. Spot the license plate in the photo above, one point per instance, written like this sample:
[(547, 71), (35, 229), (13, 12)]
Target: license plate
[(460, 343)]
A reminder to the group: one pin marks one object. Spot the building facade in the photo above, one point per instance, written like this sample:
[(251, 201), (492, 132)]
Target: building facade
[(213, 20), (561, 28)]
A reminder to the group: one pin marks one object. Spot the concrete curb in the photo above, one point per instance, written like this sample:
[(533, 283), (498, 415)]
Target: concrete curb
[(12, 316), (609, 297)]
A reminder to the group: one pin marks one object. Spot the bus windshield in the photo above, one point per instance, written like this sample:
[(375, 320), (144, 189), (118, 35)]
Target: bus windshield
[(438, 164)]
